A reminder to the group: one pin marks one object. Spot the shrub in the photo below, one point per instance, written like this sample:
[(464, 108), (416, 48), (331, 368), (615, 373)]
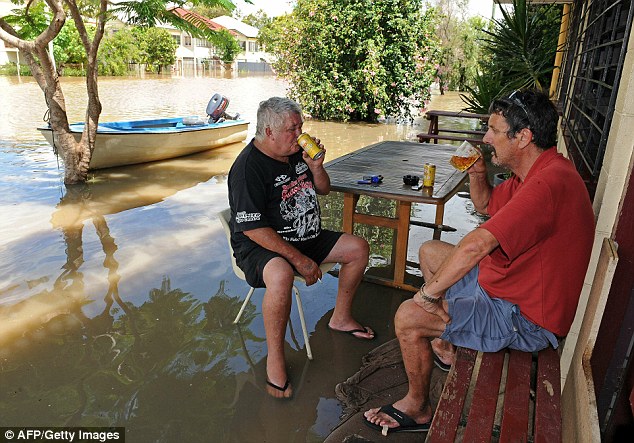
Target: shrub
[(355, 59)]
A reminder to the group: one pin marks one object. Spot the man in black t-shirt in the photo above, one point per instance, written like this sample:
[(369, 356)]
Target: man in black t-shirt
[(276, 230)]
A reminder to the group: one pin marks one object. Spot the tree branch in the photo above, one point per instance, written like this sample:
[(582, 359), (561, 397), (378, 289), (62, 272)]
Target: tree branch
[(55, 26), (9, 35), (79, 24)]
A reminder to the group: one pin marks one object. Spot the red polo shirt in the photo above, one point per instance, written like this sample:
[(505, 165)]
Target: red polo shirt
[(545, 227)]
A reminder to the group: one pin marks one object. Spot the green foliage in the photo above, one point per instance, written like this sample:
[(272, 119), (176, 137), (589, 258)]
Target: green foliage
[(521, 48), (258, 20), (67, 46), (269, 32), (153, 46), (148, 13), (157, 47), (461, 54), (229, 48), (523, 44), (117, 51), (486, 88), (356, 60), (211, 11), (28, 22), (12, 69)]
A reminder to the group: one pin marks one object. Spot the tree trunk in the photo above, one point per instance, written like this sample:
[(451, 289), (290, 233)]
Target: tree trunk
[(75, 154)]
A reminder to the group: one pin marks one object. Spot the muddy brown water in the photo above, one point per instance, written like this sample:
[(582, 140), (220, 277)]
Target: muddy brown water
[(117, 298)]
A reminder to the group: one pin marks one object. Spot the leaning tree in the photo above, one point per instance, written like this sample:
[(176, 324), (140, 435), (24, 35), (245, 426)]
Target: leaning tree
[(34, 47)]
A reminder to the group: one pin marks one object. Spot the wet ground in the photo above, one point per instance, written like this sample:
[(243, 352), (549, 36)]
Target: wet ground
[(116, 298)]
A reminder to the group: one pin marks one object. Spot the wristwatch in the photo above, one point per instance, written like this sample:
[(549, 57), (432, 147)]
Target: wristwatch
[(427, 298)]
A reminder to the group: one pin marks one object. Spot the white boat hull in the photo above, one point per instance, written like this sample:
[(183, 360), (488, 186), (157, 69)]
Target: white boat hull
[(118, 148)]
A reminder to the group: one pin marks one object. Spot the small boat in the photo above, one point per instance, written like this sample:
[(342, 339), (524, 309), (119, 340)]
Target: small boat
[(140, 141)]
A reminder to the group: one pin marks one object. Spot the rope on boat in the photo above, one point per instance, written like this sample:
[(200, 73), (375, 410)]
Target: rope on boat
[(47, 119)]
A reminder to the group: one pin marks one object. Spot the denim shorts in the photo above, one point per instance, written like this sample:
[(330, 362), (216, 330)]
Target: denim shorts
[(488, 324)]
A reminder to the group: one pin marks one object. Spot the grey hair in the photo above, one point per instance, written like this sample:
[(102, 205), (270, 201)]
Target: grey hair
[(272, 113)]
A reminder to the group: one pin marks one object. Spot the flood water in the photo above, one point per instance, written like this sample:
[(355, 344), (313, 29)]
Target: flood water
[(117, 298)]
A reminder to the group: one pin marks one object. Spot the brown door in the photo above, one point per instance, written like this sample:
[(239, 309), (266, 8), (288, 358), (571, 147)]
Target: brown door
[(612, 368)]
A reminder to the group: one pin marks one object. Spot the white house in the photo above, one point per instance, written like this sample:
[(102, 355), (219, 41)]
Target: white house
[(194, 53), (246, 35)]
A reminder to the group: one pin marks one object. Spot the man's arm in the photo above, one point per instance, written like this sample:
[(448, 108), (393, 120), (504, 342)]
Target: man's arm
[(271, 240), (466, 254), (321, 179), (479, 186)]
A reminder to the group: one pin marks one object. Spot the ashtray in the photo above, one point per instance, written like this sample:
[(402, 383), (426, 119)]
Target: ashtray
[(411, 180)]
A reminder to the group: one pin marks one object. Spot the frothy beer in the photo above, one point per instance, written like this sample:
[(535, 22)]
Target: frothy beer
[(463, 163), (464, 157)]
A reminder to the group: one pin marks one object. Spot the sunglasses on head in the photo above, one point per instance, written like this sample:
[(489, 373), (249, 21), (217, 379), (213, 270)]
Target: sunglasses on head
[(516, 98)]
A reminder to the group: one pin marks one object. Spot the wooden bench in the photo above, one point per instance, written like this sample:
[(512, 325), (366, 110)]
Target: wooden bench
[(435, 132), (506, 396)]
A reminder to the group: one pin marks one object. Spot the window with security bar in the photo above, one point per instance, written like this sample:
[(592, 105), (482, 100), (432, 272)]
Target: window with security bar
[(596, 47)]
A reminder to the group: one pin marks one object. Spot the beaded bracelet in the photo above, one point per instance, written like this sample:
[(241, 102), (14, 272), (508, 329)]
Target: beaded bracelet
[(426, 297)]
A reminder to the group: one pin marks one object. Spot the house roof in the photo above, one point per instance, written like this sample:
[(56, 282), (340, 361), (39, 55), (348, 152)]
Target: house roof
[(193, 17), (236, 25)]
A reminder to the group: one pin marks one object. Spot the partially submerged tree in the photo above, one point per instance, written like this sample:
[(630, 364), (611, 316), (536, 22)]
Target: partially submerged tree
[(460, 49), (33, 43)]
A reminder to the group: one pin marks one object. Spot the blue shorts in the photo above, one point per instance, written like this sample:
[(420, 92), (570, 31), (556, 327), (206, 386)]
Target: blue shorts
[(489, 324)]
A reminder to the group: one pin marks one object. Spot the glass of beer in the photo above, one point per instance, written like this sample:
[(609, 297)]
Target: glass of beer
[(465, 156)]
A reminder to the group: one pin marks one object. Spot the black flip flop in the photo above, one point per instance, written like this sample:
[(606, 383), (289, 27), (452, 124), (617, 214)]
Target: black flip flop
[(280, 388), (440, 365), (365, 330), (405, 422)]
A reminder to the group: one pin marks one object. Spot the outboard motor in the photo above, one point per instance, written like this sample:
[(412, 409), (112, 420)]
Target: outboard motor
[(216, 108)]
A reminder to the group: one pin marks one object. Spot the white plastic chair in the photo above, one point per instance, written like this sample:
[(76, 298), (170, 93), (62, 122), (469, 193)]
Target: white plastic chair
[(224, 217)]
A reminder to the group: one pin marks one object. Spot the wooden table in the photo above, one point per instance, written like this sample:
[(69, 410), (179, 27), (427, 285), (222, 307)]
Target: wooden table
[(393, 160)]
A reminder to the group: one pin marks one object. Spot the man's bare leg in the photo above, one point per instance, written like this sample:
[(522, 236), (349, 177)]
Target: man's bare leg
[(431, 254), (352, 253), (414, 329), (276, 306)]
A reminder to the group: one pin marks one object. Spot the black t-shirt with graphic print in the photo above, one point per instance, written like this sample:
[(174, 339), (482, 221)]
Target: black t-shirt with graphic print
[(264, 192)]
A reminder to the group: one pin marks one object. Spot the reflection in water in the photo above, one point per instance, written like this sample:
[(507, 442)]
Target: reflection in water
[(114, 190), (117, 296)]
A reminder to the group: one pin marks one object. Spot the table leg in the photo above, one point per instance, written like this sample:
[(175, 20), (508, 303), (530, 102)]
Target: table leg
[(440, 214), (349, 205), (433, 126), (403, 210)]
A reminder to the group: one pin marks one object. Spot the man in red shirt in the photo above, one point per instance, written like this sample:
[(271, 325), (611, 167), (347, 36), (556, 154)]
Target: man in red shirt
[(514, 281)]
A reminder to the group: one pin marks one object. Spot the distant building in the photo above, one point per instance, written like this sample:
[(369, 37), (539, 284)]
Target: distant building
[(247, 37), (195, 53), (192, 53)]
